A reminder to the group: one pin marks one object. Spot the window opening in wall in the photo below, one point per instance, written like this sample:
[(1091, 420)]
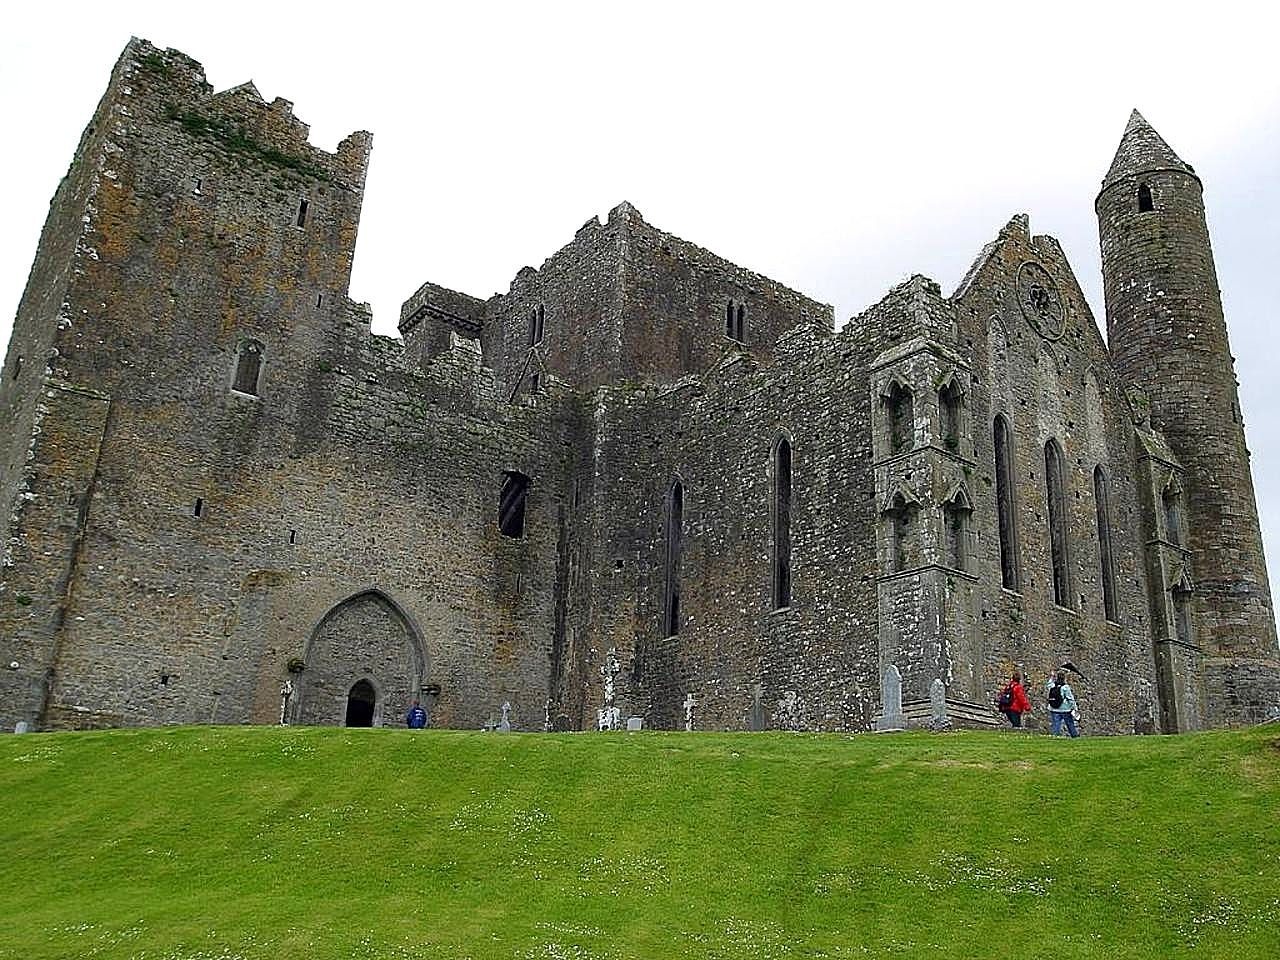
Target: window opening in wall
[(782, 524), (1055, 494), (537, 316), (248, 368), (302, 212), (1181, 597), (1102, 501), (17, 367), (198, 509), (511, 504), (319, 299), (535, 382), (901, 416), (1145, 203), (1172, 501), (735, 321), (729, 314), (197, 183), (674, 542), (293, 536), (361, 700), (950, 401), (902, 516), (955, 514)]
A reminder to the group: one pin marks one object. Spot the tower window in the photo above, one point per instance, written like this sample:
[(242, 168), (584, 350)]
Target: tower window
[(674, 538), (782, 524), (1145, 203), (197, 510), (536, 318), (1102, 502), (511, 504), (955, 516), (950, 402), (1172, 502), (248, 368), (902, 516), (901, 418), (303, 204), (1181, 597), (735, 321), (17, 367), (1055, 494)]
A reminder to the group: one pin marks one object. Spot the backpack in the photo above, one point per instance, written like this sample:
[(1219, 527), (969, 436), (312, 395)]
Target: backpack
[(1005, 700), (1055, 695)]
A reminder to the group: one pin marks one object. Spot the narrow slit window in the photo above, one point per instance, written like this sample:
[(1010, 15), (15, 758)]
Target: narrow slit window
[(1106, 558), (782, 524), (17, 367), (950, 402), (1145, 203), (902, 518), (248, 368), (1055, 495), (729, 314), (303, 206), (1172, 500), (537, 317), (293, 536), (901, 419), (1182, 614), (955, 515), (740, 327), (1010, 574), (197, 510), (674, 544), (511, 504), (196, 184)]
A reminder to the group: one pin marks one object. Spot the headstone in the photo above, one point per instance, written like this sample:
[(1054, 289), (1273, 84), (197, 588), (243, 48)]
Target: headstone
[(891, 716), (286, 694), (546, 716), (938, 719), (756, 720), (21, 727), (504, 726), (634, 724), (689, 704), (609, 716)]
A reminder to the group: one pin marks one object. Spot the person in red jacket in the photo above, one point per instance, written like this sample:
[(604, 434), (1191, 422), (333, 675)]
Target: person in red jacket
[(1012, 701)]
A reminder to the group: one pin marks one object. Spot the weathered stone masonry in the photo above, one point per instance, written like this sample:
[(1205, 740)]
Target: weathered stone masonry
[(221, 488)]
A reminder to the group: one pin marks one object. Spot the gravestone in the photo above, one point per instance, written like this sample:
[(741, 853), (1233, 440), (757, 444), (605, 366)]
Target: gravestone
[(504, 726), (891, 716), (756, 719), (609, 716), (689, 704), (21, 727), (634, 724), (286, 694), (938, 719)]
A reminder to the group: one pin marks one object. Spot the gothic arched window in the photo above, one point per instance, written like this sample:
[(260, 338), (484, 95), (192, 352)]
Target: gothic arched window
[(1102, 502), (674, 537), (782, 524), (1010, 569), (900, 413), (1056, 496)]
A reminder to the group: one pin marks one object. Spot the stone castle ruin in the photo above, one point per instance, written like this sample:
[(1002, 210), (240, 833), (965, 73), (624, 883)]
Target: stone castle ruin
[(642, 483)]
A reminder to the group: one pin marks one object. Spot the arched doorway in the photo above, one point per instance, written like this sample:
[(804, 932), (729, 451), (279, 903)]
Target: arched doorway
[(360, 703)]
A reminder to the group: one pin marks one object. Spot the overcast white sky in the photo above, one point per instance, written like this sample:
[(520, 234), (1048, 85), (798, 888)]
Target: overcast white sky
[(837, 150)]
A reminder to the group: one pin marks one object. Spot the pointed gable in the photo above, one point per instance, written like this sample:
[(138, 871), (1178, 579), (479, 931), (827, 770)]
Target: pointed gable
[(1142, 149)]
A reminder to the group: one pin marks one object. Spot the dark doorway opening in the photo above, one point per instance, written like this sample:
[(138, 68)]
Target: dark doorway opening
[(360, 702)]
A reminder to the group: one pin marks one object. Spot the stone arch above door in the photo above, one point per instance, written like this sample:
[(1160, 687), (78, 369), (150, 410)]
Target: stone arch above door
[(367, 636)]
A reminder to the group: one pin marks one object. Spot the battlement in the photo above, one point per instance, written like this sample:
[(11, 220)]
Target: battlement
[(237, 123)]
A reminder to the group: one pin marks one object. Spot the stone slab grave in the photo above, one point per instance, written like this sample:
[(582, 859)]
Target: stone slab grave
[(891, 717)]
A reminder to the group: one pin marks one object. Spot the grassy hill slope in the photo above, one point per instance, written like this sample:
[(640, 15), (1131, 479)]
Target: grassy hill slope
[(204, 843)]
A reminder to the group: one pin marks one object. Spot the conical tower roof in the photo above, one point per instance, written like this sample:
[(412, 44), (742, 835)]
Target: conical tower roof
[(1142, 149)]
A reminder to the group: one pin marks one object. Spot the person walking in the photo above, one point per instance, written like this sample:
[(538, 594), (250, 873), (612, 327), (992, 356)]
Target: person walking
[(416, 718), (1062, 706), (1013, 701)]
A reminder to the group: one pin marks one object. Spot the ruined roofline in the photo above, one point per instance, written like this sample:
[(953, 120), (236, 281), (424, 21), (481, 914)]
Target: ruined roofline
[(236, 118)]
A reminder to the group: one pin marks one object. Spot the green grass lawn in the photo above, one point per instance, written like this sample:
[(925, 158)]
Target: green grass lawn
[(217, 842)]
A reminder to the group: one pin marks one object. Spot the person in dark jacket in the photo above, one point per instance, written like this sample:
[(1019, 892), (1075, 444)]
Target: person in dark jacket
[(416, 718), (1062, 705), (1013, 701)]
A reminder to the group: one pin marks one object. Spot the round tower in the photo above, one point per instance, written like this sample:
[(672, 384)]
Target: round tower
[(1167, 335)]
